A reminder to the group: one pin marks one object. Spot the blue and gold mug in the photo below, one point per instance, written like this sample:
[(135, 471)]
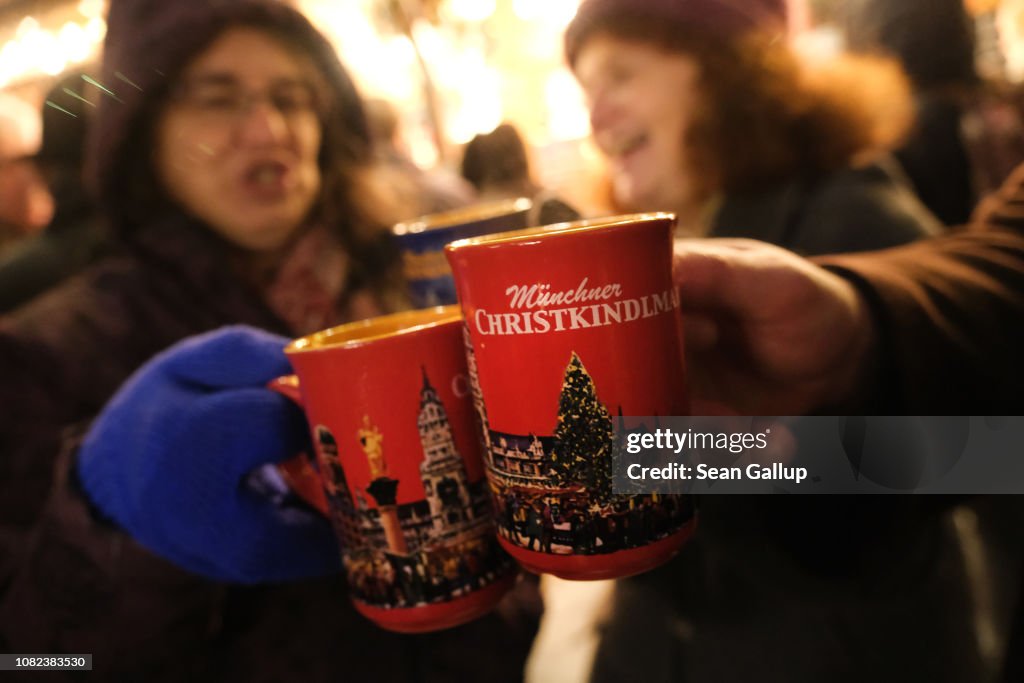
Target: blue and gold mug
[(422, 242)]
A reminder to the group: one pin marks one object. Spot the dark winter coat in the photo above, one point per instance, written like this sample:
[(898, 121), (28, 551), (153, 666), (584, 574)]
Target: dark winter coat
[(849, 210), (74, 238), (77, 585), (856, 588)]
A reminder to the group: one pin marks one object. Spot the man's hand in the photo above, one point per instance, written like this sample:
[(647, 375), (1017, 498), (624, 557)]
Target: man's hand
[(769, 332)]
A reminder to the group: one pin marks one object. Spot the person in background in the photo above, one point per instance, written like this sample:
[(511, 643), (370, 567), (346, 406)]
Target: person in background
[(497, 164), (76, 235), (703, 109), (969, 131), (421, 191), (933, 328), (928, 329), (866, 332), (232, 158), (25, 205)]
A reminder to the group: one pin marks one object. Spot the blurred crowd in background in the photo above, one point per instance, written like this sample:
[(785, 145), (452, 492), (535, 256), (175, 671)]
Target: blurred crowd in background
[(170, 168), (449, 70)]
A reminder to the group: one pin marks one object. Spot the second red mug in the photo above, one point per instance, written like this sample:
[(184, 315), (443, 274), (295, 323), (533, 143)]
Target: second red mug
[(567, 327), (388, 405)]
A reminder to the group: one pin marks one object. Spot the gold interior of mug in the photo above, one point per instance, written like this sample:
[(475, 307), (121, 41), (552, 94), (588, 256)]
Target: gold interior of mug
[(467, 214), (571, 228), (372, 329)]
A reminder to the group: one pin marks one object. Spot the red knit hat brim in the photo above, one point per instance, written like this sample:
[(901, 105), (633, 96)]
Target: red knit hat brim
[(724, 18)]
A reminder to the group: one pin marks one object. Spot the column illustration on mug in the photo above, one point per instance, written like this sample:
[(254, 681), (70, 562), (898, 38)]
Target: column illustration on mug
[(432, 549), (553, 493)]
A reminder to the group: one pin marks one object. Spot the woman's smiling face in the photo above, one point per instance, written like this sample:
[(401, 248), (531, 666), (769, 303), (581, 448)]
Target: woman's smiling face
[(642, 101)]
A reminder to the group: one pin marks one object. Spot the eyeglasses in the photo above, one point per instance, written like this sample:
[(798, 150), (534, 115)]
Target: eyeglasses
[(220, 102)]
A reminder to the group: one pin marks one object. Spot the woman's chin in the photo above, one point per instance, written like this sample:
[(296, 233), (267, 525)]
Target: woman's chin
[(265, 236)]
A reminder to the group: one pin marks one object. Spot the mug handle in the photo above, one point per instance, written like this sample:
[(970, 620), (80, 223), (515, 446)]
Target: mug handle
[(298, 472)]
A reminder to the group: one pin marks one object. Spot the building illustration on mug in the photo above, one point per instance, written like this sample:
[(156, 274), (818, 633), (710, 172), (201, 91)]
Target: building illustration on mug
[(412, 553), (553, 494)]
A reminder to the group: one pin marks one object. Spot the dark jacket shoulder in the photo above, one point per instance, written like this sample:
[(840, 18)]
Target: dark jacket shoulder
[(64, 354), (848, 210), (950, 314)]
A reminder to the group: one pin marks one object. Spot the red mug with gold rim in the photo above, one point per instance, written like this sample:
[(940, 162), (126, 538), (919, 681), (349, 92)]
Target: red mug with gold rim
[(390, 413), (568, 326)]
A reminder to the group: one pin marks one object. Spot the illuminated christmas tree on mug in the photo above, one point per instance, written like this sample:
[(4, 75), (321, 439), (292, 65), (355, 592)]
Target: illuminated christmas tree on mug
[(555, 492)]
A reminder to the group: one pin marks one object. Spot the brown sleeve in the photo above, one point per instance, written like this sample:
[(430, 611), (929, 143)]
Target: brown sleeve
[(950, 315), (83, 586)]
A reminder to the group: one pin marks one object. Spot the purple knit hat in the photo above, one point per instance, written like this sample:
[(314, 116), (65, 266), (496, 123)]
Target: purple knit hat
[(725, 18), (147, 44)]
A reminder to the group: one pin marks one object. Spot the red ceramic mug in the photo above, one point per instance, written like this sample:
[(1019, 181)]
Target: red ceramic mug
[(568, 326), (390, 413)]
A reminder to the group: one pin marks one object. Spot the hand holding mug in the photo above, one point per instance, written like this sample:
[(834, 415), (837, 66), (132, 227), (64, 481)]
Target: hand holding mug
[(769, 332), (569, 327), (167, 457)]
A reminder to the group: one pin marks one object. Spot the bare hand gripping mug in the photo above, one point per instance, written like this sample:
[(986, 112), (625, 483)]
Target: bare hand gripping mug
[(567, 327)]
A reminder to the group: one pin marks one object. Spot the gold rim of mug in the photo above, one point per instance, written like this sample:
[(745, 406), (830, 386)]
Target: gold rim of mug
[(462, 216), (527, 235), (362, 332)]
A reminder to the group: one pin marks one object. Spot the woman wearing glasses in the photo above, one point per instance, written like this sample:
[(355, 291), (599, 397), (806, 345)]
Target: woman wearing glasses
[(231, 156)]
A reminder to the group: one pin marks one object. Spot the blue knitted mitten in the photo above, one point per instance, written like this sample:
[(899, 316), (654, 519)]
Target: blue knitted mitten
[(168, 457)]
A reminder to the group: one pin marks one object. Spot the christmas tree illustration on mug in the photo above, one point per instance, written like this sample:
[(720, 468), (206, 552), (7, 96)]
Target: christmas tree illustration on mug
[(554, 493), (584, 437)]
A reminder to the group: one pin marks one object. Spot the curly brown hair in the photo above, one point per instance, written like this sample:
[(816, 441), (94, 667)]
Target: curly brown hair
[(768, 114)]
